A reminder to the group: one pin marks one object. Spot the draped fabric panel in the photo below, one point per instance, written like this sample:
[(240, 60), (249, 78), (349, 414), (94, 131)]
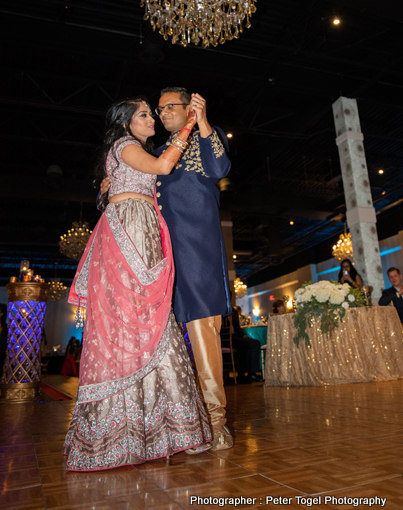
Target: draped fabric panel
[(367, 346), (128, 308)]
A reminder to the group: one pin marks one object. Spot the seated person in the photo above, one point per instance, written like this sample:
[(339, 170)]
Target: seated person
[(248, 350), (279, 306), (242, 316), (348, 274), (394, 294)]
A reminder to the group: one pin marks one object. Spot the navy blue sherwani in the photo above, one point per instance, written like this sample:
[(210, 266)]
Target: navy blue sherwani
[(189, 201)]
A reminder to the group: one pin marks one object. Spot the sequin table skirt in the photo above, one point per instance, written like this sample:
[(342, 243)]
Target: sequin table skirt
[(367, 346)]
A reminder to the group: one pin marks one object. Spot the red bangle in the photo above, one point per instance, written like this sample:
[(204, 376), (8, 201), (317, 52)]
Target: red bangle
[(186, 129)]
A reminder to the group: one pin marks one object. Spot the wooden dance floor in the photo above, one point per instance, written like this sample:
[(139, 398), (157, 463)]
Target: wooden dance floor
[(341, 442)]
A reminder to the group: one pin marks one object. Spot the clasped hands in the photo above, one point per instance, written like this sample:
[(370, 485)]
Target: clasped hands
[(198, 106)]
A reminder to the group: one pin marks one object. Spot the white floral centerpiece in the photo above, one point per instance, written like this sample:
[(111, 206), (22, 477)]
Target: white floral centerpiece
[(325, 300)]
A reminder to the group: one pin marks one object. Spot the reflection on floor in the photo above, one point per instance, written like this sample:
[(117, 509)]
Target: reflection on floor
[(341, 441), (66, 385)]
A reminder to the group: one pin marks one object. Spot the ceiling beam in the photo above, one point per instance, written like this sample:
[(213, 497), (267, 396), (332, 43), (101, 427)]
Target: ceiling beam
[(77, 190)]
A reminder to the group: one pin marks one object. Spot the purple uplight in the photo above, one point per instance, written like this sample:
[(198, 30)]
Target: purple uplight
[(25, 326)]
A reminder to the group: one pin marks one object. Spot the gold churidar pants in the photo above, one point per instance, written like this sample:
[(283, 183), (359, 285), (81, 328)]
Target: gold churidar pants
[(204, 335)]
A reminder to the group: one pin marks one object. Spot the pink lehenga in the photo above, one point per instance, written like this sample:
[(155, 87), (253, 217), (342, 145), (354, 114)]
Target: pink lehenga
[(137, 399)]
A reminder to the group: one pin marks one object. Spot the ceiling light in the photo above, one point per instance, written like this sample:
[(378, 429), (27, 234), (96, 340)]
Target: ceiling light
[(336, 20), (229, 135), (234, 256), (380, 171), (204, 22), (73, 243), (291, 222), (57, 289), (240, 288), (344, 247)]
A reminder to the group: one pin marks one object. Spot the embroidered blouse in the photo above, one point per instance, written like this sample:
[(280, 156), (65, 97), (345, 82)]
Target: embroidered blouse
[(125, 178)]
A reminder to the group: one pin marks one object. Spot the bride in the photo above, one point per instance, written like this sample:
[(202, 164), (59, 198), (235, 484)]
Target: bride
[(137, 399)]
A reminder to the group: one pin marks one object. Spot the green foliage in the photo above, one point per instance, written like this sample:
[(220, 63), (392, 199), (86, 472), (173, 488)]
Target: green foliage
[(360, 299), (330, 315)]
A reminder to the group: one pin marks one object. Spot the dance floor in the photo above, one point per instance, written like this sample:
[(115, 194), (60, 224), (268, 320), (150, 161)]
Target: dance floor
[(338, 442)]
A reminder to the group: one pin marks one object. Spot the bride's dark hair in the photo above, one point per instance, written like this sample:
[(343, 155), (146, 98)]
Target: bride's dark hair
[(118, 119)]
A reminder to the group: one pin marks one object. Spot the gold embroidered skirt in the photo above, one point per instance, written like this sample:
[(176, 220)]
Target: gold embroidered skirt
[(133, 420)]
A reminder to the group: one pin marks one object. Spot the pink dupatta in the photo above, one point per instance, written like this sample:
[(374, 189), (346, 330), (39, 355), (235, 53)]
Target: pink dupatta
[(128, 308)]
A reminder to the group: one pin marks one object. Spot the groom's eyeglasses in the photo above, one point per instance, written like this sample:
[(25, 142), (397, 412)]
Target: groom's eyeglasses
[(169, 107)]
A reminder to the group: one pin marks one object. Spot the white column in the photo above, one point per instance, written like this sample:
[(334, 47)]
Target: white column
[(361, 215)]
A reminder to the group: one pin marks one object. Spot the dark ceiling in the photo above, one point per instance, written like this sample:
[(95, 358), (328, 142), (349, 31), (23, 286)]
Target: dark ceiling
[(64, 63)]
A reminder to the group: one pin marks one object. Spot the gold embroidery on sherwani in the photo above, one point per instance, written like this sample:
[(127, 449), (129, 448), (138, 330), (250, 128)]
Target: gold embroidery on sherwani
[(218, 148), (192, 157), (191, 160)]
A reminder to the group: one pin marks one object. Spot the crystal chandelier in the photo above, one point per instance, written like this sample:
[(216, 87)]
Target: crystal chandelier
[(240, 288), (73, 243), (344, 247), (57, 290), (202, 22)]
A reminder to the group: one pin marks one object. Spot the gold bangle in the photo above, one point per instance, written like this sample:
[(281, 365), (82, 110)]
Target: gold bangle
[(176, 140), (175, 146)]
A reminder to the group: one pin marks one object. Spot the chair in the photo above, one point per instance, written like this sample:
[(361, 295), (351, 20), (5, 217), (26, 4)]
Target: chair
[(228, 353)]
